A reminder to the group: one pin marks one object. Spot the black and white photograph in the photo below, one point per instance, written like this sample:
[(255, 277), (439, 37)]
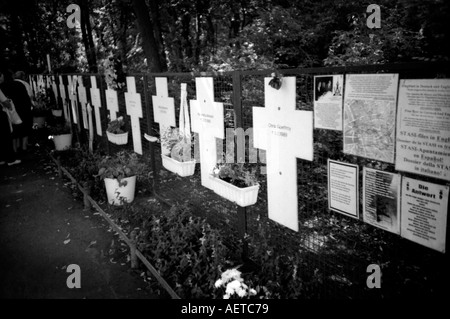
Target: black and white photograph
[(186, 152)]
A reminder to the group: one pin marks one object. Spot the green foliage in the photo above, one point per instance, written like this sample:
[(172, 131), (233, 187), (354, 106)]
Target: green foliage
[(238, 174), (117, 126), (83, 166), (59, 129), (121, 165), (185, 250), (181, 148)]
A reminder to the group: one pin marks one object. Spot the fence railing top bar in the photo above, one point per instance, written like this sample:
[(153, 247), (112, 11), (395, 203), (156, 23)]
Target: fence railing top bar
[(443, 66)]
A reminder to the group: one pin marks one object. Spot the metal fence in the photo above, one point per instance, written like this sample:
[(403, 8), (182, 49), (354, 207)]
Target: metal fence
[(332, 250)]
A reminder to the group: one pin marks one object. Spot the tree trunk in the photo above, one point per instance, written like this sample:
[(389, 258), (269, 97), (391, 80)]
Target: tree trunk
[(150, 45), (86, 32), (154, 11)]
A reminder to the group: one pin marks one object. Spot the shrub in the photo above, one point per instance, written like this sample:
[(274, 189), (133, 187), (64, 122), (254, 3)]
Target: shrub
[(186, 251)]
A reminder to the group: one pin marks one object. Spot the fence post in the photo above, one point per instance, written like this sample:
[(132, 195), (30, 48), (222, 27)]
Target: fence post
[(149, 131), (238, 123)]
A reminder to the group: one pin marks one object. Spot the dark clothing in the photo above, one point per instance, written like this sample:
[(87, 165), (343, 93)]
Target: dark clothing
[(17, 92), (7, 154)]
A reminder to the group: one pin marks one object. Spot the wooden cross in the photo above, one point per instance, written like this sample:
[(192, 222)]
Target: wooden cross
[(286, 134), (112, 103), (207, 120), (163, 110), (55, 88), (97, 103), (73, 96), (83, 101), (134, 110), (62, 93)]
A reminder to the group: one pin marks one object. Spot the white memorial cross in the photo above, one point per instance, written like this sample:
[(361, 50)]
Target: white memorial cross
[(91, 127), (55, 88), (72, 83), (163, 109), (207, 120), (32, 84), (83, 101), (134, 110), (112, 103), (286, 134), (62, 93), (97, 103)]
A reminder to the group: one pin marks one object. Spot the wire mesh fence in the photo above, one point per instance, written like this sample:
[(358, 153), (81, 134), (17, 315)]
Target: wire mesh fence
[(330, 252)]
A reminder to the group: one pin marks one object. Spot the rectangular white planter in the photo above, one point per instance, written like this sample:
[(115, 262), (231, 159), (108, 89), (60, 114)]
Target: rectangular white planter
[(241, 196), (119, 139), (181, 168)]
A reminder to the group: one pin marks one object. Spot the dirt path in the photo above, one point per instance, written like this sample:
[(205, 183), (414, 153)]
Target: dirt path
[(43, 229)]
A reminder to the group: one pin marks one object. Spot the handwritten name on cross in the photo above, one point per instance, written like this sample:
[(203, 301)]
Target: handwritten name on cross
[(112, 103), (73, 96), (207, 120), (97, 103), (286, 134), (62, 93), (83, 101), (134, 110), (163, 109)]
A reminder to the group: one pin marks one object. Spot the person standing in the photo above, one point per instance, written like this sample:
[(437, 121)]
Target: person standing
[(19, 95), (6, 142)]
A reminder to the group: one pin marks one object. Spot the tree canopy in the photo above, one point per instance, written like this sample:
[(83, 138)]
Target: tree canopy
[(200, 35)]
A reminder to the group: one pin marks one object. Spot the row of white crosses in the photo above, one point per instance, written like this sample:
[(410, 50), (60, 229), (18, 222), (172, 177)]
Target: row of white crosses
[(284, 132)]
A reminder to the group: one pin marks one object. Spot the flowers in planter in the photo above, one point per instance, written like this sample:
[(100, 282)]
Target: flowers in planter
[(180, 147), (119, 166), (234, 285), (59, 129), (116, 131), (238, 174), (116, 126)]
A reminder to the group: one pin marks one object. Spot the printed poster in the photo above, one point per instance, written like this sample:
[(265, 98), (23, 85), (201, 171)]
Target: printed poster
[(369, 115), (381, 199), (328, 101), (343, 188), (424, 213), (423, 128)]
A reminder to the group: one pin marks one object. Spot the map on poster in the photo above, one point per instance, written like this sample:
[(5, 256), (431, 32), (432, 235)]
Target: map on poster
[(424, 213), (423, 128), (369, 115), (343, 184), (328, 93), (381, 199)]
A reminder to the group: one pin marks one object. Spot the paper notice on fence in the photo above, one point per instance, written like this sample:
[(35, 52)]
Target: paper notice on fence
[(369, 115), (328, 94), (423, 133), (381, 199), (343, 188), (424, 213)]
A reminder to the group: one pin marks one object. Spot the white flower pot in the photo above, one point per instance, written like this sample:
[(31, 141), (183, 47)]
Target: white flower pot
[(241, 196), (115, 192), (119, 139), (181, 168), (57, 113), (62, 142)]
